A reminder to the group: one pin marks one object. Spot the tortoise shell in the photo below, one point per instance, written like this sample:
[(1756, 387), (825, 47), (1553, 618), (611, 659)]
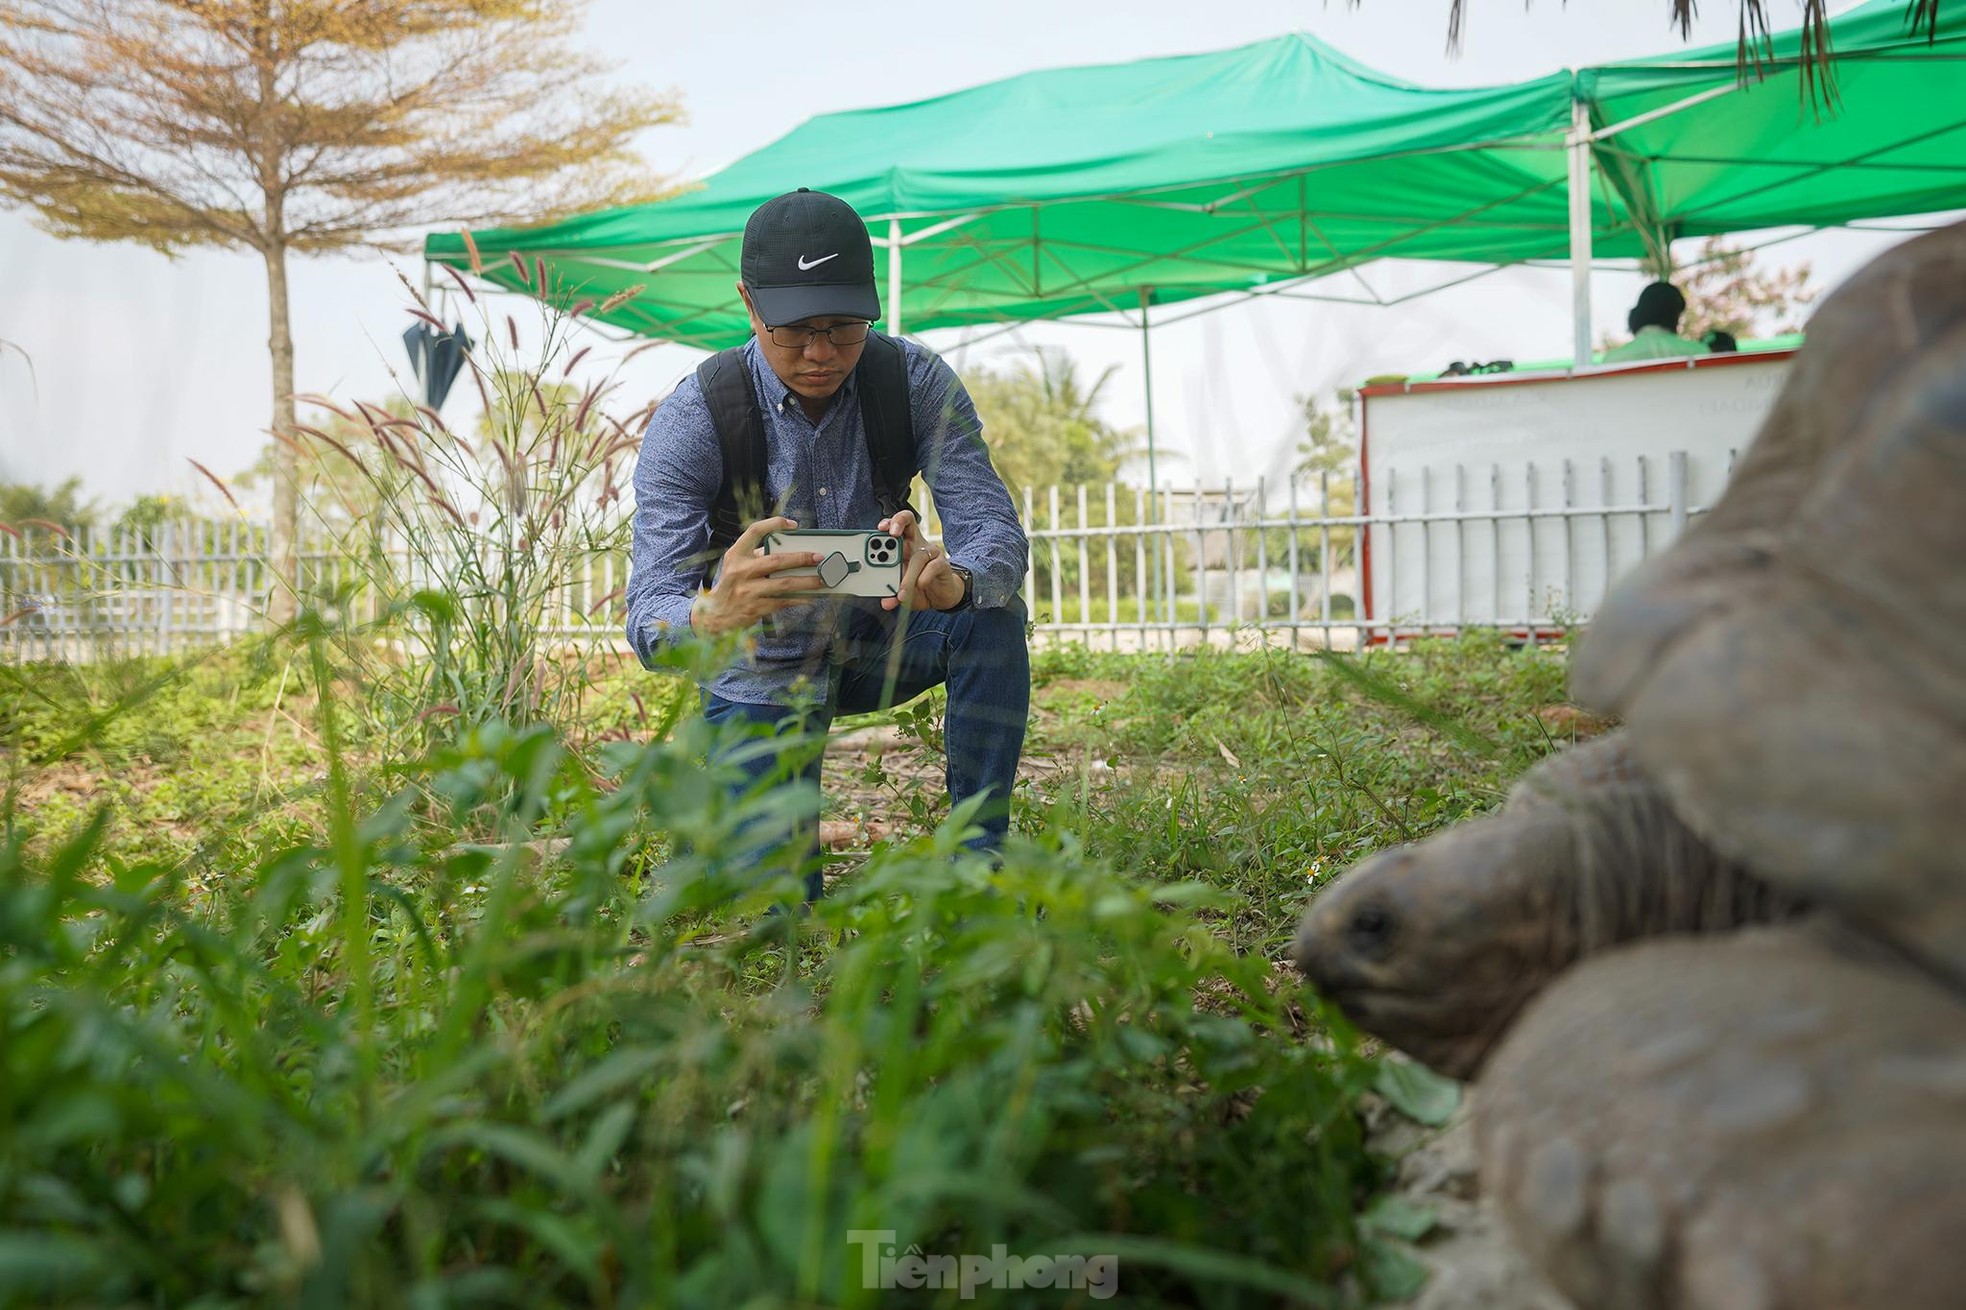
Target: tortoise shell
[(1793, 670)]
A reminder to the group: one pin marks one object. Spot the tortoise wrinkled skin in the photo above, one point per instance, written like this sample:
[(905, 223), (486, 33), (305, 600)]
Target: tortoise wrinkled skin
[(1793, 671), (1434, 947), (1697, 1114)]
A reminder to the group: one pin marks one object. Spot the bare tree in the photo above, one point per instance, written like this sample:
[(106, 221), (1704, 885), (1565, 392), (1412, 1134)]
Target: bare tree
[(302, 126)]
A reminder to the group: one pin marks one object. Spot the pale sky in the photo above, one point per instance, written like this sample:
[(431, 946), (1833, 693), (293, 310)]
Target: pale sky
[(140, 363)]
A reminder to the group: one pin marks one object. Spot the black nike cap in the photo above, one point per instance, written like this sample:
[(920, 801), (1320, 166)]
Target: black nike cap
[(807, 255)]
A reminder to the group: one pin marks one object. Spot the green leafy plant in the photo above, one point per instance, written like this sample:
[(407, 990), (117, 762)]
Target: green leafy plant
[(503, 1021), (385, 1068)]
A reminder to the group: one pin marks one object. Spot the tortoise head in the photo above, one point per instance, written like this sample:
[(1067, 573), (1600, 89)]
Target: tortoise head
[(1435, 947)]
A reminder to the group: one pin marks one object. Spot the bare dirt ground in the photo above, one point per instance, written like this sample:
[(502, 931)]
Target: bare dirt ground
[(875, 779)]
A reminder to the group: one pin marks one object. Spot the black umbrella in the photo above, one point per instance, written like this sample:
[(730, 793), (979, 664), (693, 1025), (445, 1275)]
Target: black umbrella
[(436, 357)]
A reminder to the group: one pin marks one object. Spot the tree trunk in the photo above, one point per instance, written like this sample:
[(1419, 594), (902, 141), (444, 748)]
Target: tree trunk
[(286, 465)]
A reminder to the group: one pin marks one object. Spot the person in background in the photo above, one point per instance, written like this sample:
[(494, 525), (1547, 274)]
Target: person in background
[(1721, 342), (1654, 323)]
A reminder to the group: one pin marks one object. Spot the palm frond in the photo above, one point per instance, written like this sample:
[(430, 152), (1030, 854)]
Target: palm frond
[(1755, 40), (1818, 73), (1756, 46)]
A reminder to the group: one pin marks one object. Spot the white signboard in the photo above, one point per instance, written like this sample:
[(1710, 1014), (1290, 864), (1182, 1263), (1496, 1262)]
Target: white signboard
[(1515, 500)]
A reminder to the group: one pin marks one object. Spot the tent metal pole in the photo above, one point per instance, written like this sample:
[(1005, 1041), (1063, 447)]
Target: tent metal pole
[(1153, 476), (1147, 371), (894, 277), (1580, 233), (1665, 111)]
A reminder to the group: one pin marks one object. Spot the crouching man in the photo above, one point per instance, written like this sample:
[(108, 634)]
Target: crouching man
[(819, 422)]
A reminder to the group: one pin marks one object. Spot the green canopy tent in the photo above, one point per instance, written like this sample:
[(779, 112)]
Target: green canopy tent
[(1110, 189), (1099, 190), (1683, 145), (1067, 191)]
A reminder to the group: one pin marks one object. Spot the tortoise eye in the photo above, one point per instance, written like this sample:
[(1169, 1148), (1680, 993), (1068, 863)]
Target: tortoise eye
[(1370, 931)]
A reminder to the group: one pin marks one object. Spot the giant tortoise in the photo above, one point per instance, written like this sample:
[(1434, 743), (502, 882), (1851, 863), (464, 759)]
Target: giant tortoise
[(1710, 974)]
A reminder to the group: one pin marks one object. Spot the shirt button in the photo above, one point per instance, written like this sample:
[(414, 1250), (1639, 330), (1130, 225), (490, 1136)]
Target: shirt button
[(822, 491)]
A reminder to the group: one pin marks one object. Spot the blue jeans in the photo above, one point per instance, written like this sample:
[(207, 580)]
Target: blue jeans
[(980, 655)]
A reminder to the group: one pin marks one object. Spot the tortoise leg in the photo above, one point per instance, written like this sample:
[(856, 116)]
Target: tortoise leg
[(1774, 1120)]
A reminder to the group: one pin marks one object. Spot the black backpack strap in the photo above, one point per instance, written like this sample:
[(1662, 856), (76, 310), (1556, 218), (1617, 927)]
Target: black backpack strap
[(740, 428), (889, 420), (886, 415)]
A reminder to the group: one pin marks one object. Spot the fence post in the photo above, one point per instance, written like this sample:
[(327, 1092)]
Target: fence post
[(1604, 526), (1461, 607), (1056, 560), (1030, 556), (1201, 561), (1169, 589), (1113, 563), (1676, 492), (1427, 548), (1390, 605), (13, 596), (1262, 555), (1495, 545), (1645, 508), (1085, 571), (1141, 594), (166, 593), (1529, 496), (1231, 551), (1296, 636)]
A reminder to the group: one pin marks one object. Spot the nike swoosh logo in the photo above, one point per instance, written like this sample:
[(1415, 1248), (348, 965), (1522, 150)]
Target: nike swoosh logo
[(805, 267)]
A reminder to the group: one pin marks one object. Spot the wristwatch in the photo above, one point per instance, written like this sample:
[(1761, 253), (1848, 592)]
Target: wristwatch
[(969, 587)]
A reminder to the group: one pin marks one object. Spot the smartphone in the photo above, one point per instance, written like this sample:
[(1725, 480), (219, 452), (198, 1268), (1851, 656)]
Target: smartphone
[(850, 563)]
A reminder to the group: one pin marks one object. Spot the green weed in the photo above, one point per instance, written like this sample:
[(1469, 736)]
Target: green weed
[(498, 1025)]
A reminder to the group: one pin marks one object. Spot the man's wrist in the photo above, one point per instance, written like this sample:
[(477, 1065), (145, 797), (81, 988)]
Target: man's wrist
[(968, 581), (703, 618)]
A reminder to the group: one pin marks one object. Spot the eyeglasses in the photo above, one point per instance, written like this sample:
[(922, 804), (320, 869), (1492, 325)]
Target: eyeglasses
[(798, 338)]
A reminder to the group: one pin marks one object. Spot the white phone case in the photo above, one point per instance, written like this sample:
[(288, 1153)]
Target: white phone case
[(850, 563)]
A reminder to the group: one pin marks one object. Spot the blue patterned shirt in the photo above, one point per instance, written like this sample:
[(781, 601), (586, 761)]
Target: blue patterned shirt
[(822, 476)]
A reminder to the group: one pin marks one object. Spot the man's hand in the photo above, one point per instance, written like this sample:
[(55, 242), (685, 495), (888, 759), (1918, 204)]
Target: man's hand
[(748, 586), (925, 571)]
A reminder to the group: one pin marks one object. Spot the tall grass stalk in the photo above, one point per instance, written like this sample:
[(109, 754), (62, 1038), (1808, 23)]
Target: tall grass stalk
[(478, 559)]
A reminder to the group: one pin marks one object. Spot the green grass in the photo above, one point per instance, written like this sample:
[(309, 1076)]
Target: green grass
[(288, 1021), (1262, 773)]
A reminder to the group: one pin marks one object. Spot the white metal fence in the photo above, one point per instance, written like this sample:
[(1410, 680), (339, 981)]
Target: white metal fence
[(1310, 563)]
